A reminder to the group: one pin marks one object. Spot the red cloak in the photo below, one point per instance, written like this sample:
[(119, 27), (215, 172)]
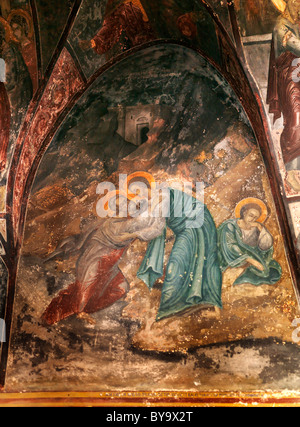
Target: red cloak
[(102, 292)]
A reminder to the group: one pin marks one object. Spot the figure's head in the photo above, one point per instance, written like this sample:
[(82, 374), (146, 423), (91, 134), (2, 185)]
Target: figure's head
[(133, 198), (187, 27), (251, 210), (19, 27), (251, 213), (292, 11)]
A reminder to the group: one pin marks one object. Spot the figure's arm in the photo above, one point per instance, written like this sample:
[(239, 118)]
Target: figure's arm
[(265, 241), (146, 228), (288, 40), (153, 231), (230, 248), (232, 252), (106, 38)]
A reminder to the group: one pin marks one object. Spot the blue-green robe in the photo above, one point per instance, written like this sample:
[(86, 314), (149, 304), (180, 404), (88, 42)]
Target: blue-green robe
[(233, 252), (193, 274)]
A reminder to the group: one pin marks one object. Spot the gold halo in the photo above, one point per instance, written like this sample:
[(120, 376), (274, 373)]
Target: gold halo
[(280, 5), (125, 192), (147, 176), (26, 16), (252, 200), (8, 31)]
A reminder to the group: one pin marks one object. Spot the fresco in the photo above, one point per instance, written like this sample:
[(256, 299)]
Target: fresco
[(99, 298), (277, 80), (20, 77), (256, 17), (282, 90), (103, 31), (18, 83), (149, 196)]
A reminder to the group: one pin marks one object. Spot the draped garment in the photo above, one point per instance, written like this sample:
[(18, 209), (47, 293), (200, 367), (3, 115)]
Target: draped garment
[(99, 281), (126, 19), (193, 276), (234, 252)]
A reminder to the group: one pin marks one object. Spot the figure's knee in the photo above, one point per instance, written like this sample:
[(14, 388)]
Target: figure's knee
[(87, 272)]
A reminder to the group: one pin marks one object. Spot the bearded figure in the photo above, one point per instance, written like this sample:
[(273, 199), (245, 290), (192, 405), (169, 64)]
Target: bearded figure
[(283, 95)]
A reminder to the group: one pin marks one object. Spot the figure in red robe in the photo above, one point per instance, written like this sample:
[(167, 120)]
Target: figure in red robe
[(99, 281), (125, 19)]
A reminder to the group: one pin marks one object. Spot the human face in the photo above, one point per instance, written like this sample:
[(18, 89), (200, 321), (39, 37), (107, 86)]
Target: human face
[(17, 31), (251, 216)]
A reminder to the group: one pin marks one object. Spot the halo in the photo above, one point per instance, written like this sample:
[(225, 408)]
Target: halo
[(26, 16), (8, 31), (280, 5), (147, 176), (124, 192), (252, 200)]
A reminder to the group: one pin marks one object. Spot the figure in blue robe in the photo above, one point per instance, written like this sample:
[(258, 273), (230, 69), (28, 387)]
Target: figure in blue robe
[(246, 243), (193, 276)]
